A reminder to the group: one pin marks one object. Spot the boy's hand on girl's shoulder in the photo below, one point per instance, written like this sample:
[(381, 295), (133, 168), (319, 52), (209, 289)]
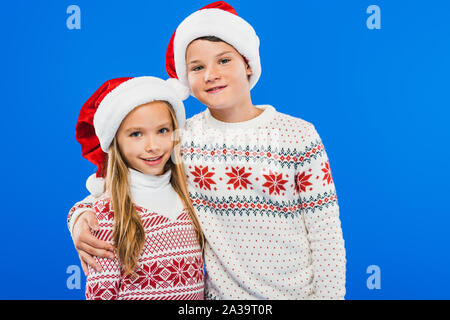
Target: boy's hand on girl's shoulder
[(88, 245)]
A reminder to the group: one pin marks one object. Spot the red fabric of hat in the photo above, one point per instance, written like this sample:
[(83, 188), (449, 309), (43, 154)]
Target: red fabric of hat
[(84, 130), (170, 62)]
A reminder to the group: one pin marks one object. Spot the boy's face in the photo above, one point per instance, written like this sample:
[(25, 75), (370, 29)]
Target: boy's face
[(217, 74), (145, 138)]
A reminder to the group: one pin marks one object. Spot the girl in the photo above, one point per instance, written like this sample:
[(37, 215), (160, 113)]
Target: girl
[(145, 211), (260, 180)]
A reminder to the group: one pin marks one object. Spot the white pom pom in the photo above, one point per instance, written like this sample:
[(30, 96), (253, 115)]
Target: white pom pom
[(96, 186), (180, 89)]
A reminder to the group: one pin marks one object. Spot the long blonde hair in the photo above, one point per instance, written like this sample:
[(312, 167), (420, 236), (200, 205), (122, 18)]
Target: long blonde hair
[(129, 233)]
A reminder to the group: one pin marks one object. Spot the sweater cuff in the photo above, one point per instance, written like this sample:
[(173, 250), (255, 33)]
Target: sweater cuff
[(75, 212)]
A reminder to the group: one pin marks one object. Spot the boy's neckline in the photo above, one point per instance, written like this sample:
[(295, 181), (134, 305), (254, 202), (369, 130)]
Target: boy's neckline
[(267, 114)]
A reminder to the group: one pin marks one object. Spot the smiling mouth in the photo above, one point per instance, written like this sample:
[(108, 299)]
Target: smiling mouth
[(215, 89), (152, 159)]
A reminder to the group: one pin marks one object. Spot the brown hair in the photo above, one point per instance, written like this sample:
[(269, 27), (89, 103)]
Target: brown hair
[(210, 38), (129, 233), (216, 39)]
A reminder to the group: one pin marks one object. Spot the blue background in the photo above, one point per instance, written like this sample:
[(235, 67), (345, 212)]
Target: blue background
[(378, 98)]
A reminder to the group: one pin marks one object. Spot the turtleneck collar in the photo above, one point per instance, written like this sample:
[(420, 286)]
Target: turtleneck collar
[(155, 193), (142, 181)]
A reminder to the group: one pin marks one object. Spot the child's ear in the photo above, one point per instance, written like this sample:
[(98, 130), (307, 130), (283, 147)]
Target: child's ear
[(249, 70)]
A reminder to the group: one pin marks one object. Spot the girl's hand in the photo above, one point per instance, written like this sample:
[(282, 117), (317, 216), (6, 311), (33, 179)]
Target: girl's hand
[(87, 245)]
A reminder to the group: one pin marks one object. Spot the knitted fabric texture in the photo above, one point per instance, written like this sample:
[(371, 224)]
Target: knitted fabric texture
[(266, 201), (170, 266)]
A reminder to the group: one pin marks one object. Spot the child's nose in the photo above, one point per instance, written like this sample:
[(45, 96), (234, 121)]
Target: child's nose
[(211, 74), (152, 145)]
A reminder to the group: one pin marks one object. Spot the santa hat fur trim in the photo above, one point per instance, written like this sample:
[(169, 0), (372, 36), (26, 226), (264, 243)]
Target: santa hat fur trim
[(135, 92)]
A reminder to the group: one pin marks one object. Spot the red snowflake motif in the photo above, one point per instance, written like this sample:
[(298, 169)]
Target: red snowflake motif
[(203, 177), (179, 272), (150, 275), (197, 274), (238, 177), (301, 182), (327, 171), (274, 182), (105, 291)]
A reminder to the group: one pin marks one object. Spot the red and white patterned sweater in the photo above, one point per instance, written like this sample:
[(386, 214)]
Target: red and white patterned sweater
[(267, 204), (170, 266)]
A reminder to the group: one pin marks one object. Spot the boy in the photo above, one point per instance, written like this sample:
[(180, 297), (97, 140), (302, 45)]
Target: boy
[(260, 180)]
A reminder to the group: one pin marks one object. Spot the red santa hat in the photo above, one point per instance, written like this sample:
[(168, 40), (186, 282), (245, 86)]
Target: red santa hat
[(217, 19), (101, 115)]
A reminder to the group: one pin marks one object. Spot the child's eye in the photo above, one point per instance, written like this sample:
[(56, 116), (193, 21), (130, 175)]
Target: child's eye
[(197, 68), (224, 60), (136, 134), (163, 130)]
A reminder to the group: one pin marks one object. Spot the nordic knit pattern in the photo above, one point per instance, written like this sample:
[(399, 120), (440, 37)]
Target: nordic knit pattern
[(169, 267), (267, 204), (77, 209), (266, 200)]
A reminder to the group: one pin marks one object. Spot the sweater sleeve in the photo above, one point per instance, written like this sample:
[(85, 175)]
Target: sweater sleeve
[(104, 285), (77, 209), (96, 188), (320, 211)]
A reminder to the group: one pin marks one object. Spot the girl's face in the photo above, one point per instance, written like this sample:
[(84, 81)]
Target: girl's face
[(145, 138), (217, 74)]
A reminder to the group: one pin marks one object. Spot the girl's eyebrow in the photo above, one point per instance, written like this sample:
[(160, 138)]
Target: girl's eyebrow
[(164, 124), (133, 129), (220, 54)]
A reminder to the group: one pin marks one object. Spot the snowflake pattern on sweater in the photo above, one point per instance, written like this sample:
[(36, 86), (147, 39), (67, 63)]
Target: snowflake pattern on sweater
[(170, 265), (267, 204)]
